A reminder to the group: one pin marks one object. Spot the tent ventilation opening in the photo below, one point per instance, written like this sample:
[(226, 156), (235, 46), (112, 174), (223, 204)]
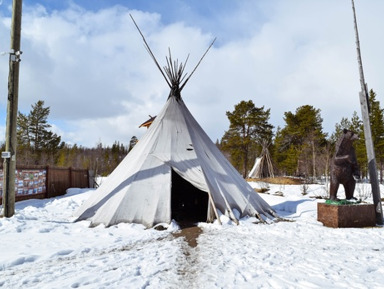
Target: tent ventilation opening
[(189, 205)]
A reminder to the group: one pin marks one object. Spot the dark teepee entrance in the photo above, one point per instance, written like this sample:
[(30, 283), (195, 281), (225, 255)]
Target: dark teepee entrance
[(188, 203)]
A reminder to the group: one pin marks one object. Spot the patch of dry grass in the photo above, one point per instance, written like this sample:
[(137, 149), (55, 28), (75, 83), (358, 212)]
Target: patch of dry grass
[(280, 180), (261, 190)]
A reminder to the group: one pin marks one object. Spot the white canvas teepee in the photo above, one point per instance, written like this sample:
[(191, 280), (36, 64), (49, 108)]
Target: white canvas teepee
[(263, 167), (174, 172)]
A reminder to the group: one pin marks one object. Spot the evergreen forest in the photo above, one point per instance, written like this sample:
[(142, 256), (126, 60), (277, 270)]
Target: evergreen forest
[(299, 148)]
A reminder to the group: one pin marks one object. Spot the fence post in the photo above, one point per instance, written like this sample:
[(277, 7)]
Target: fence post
[(90, 183), (70, 177), (47, 181)]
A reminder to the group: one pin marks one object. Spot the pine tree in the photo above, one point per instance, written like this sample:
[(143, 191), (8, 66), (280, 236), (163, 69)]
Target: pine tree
[(34, 134), (376, 117), (248, 126), (298, 144), (23, 134), (132, 143)]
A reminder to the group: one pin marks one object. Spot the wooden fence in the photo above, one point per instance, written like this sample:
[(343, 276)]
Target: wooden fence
[(39, 182)]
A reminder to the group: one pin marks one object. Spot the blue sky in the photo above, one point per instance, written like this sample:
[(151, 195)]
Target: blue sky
[(86, 60)]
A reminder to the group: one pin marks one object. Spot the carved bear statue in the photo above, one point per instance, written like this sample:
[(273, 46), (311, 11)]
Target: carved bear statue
[(344, 168)]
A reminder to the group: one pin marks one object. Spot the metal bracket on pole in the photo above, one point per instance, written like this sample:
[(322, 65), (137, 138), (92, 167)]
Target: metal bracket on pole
[(15, 56)]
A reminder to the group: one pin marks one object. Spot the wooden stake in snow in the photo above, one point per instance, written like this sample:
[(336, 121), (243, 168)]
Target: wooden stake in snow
[(364, 102)]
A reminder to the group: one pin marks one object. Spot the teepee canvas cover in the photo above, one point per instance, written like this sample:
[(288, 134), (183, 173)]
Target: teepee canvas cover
[(139, 189), (173, 170), (263, 167)]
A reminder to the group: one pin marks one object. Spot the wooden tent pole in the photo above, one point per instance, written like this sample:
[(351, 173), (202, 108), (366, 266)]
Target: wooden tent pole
[(212, 203)]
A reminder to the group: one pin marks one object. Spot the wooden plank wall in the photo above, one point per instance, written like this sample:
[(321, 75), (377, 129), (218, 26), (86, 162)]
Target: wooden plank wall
[(57, 181)]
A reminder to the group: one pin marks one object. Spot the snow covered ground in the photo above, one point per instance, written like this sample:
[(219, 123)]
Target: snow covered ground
[(40, 247)]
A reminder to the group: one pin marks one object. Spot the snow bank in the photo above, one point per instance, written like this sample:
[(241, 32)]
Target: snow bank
[(41, 247)]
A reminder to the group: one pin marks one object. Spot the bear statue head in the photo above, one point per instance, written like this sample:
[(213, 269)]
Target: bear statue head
[(350, 135), (345, 141)]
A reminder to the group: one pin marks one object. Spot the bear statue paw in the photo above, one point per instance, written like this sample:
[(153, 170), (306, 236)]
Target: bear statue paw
[(353, 199)]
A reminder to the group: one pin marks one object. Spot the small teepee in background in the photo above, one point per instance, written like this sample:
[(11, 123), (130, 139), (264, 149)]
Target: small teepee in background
[(263, 167)]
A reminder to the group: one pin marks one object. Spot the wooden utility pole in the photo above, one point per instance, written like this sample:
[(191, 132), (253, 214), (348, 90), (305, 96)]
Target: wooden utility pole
[(364, 102), (12, 107)]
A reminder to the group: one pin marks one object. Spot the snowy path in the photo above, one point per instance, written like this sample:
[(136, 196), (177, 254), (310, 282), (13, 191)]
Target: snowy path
[(120, 267), (41, 248)]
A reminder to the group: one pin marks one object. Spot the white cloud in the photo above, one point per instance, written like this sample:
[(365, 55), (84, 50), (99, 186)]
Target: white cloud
[(91, 68)]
